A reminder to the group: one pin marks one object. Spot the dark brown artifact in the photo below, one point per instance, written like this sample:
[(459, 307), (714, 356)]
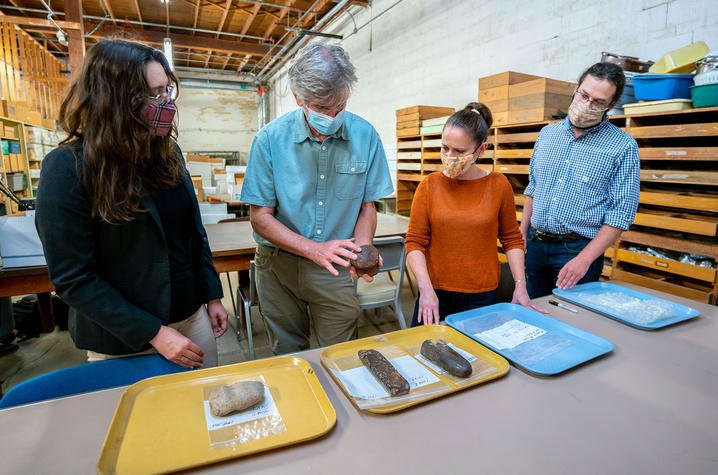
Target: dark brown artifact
[(437, 351), (384, 372), (367, 261)]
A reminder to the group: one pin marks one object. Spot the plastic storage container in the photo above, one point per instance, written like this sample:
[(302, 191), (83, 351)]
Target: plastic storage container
[(14, 147), (660, 87), (681, 60), (705, 95), (17, 181), (657, 106)]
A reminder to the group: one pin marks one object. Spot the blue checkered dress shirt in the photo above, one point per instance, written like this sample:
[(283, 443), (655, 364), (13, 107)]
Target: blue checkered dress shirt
[(581, 183)]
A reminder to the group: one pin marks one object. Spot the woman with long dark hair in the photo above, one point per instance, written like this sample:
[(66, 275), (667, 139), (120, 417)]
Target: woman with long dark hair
[(118, 218)]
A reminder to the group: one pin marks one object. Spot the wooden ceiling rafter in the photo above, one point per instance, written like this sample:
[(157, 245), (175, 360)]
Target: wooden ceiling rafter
[(222, 19), (108, 7), (245, 27), (137, 9)]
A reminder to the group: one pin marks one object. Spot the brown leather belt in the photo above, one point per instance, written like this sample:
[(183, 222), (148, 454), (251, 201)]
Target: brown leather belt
[(555, 238)]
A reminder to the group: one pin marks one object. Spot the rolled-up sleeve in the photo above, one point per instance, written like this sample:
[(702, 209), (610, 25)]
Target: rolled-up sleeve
[(624, 190), (378, 180), (258, 186), (419, 234)]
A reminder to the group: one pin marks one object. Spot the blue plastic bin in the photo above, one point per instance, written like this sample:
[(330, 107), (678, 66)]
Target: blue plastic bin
[(660, 87), (14, 147)]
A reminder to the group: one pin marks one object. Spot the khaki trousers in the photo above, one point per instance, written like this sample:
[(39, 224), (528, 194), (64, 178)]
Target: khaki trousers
[(197, 328), (291, 288)]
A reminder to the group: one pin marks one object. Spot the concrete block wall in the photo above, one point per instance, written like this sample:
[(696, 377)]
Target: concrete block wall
[(433, 51), (217, 120)]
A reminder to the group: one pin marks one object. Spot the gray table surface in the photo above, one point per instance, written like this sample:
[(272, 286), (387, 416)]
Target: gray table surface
[(650, 406)]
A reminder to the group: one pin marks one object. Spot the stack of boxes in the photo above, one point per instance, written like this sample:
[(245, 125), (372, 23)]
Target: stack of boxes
[(516, 98), (409, 120), (213, 177), (40, 142)]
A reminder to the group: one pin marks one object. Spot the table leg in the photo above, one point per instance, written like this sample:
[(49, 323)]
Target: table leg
[(44, 304)]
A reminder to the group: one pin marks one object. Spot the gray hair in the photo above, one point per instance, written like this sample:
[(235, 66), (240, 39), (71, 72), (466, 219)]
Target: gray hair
[(322, 73)]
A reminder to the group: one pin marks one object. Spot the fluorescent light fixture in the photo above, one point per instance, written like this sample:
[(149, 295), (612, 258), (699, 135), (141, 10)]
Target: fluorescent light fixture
[(167, 47)]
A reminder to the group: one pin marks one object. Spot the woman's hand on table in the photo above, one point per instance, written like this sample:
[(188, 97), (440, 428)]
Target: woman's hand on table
[(177, 348), (333, 252), (428, 307), (521, 297), (217, 317)]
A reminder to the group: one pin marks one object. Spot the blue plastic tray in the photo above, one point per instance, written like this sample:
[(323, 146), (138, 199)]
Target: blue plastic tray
[(561, 347), (577, 295)]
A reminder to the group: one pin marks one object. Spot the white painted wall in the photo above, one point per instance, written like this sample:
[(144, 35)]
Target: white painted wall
[(432, 52), (216, 120)]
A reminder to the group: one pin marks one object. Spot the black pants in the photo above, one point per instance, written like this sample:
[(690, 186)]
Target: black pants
[(455, 302)]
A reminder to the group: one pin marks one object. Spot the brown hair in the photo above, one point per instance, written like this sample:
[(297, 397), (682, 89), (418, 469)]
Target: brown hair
[(122, 158), (475, 118)]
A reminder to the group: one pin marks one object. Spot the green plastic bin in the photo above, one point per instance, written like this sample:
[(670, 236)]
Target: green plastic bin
[(705, 95)]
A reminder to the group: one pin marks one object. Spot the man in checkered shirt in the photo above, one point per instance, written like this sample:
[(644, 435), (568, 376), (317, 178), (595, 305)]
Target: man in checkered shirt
[(584, 183)]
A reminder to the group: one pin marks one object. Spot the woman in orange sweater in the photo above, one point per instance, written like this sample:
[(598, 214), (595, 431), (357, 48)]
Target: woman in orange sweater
[(456, 217)]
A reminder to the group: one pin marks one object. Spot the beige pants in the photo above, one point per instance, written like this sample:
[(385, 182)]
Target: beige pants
[(197, 328), (291, 288)]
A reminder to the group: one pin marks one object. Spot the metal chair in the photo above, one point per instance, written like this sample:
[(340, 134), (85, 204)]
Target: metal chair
[(383, 290), (89, 377), (247, 298), (229, 279)]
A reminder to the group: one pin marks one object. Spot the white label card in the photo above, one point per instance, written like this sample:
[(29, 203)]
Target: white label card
[(468, 356), (360, 383), (266, 408), (510, 335)]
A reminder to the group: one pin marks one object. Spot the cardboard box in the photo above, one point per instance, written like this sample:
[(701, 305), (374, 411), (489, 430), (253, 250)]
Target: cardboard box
[(35, 118), (197, 185), (504, 79), (49, 124)]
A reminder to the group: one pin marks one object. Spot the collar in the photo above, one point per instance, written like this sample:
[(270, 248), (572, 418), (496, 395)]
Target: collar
[(590, 130), (302, 131)]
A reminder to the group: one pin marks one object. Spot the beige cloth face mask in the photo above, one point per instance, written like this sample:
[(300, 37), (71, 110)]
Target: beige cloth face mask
[(454, 167), (582, 116)]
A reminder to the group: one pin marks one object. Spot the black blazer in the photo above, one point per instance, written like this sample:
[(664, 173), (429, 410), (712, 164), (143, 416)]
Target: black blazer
[(114, 277)]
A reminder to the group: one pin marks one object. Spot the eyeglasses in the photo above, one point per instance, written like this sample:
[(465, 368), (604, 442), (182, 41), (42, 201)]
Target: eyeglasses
[(162, 97), (597, 104)]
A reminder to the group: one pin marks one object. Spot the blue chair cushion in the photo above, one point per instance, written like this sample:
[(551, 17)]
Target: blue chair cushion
[(89, 377)]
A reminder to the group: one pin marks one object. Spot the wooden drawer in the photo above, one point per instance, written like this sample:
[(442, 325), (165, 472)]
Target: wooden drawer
[(514, 169), (663, 285), (679, 153), (688, 177), (695, 201), (408, 155), (514, 153), (677, 130), (434, 143), (408, 145), (682, 222), (408, 176), (517, 137), (667, 265)]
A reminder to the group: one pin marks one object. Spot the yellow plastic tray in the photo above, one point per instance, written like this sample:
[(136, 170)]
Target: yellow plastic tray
[(159, 424), (410, 340)]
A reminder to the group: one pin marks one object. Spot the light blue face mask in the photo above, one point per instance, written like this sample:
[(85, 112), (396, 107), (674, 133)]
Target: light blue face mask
[(323, 123)]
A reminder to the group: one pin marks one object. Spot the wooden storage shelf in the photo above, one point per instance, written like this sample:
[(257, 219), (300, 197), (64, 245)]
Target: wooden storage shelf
[(513, 169), (677, 130)]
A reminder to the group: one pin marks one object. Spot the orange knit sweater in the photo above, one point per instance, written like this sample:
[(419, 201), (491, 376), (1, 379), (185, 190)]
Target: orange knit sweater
[(455, 223)]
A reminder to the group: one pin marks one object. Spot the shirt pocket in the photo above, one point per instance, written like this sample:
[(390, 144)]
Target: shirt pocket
[(594, 174), (351, 178)]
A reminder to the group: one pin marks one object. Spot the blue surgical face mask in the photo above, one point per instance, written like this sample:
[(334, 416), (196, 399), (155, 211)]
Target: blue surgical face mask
[(323, 123)]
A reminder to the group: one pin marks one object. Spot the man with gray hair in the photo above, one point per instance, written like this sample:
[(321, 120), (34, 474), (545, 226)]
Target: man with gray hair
[(312, 177)]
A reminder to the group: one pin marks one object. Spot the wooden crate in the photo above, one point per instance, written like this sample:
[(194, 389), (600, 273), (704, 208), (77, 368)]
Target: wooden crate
[(542, 86), (425, 112), (504, 79), (500, 93)]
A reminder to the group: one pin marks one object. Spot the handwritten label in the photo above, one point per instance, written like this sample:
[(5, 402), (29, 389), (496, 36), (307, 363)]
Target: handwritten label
[(360, 383), (511, 334), (265, 409)]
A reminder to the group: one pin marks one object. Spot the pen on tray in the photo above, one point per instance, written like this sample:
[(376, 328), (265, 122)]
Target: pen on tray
[(560, 305)]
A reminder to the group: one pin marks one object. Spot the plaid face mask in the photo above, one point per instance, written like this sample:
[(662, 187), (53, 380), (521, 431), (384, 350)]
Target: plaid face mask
[(160, 117)]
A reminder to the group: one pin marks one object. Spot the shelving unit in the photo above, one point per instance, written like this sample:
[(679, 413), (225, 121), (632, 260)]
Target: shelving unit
[(678, 204)]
